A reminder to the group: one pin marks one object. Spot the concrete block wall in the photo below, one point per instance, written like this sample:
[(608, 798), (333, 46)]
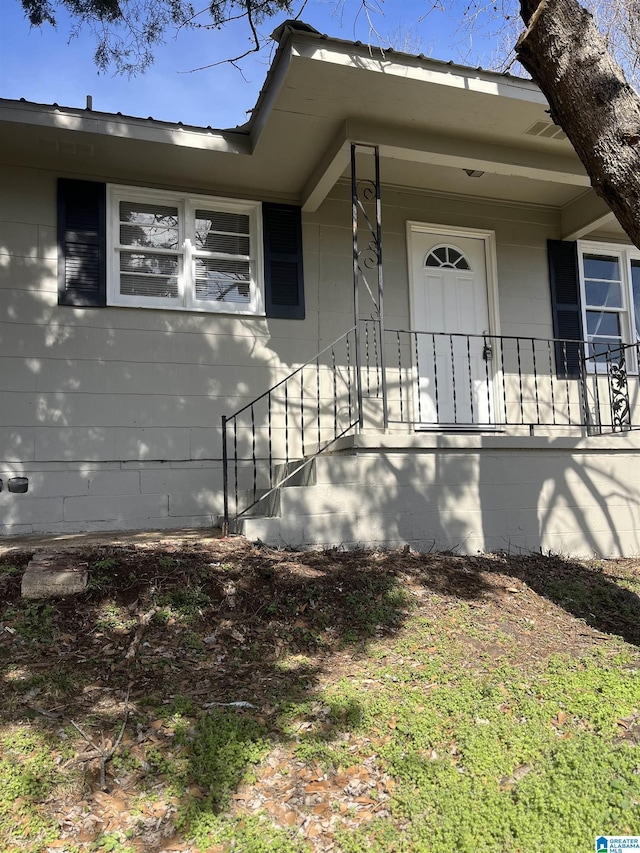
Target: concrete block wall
[(78, 497), (469, 494), (114, 414)]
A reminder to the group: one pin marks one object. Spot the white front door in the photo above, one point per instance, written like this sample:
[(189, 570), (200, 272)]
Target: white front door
[(451, 315)]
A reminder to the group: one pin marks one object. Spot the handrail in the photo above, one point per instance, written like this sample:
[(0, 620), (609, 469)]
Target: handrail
[(439, 380), (292, 374), (298, 402)]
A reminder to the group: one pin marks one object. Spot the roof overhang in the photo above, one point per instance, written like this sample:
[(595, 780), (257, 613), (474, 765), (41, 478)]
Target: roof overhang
[(431, 121)]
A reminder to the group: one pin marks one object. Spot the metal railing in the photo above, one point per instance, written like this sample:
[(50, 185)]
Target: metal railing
[(485, 381), (422, 380), (273, 438), (614, 363)]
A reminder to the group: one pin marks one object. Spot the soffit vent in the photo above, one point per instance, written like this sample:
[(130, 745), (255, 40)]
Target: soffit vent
[(546, 129)]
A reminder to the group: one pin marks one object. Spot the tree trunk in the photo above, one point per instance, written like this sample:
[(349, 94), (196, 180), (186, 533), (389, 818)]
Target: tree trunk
[(590, 99)]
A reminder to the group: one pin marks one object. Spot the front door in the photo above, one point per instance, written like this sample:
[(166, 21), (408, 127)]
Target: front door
[(451, 318)]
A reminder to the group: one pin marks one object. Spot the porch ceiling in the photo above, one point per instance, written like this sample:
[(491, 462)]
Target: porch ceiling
[(430, 120)]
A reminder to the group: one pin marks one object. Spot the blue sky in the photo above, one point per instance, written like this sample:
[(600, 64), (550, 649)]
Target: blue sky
[(47, 67)]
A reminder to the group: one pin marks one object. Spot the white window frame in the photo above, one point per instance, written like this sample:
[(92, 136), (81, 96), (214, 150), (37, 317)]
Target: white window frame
[(186, 203), (630, 334)]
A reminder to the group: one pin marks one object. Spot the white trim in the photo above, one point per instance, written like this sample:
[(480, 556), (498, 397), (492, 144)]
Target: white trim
[(491, 273), (186, 204), (412, 67), (491, 259), (625, 253)]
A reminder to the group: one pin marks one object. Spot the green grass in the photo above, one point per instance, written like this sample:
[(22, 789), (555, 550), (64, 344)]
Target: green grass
[(503, 761), (31, 620), (246, 835), (28, 776)]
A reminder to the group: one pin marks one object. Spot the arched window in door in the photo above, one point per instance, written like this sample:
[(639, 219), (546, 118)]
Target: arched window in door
[(447, 257)]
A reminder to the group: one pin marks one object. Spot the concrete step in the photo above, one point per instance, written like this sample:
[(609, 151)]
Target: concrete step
[(51, 575), (304, 477)]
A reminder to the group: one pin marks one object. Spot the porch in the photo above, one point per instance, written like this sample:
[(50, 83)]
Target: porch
[(399, 399), (373, 442)]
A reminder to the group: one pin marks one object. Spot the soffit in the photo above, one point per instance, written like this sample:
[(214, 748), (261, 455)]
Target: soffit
[(322, 95), (273, 172)]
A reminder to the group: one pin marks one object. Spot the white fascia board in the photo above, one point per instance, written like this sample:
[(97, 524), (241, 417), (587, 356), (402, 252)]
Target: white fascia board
[(422, 70), (123, 127), (268, 94)]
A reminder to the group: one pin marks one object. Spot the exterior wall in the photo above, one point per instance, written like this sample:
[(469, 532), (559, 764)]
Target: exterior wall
[(468, 494), (114, 414), (521, 237)]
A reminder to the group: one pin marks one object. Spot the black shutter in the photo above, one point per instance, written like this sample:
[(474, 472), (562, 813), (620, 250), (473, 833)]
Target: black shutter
[(565, 304), (284, 285), (82, 277)]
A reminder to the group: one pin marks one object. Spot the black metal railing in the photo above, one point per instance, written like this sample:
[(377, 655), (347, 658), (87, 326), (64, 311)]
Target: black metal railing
[(276, 436), (614, 363), (372, 377), (487, 381)]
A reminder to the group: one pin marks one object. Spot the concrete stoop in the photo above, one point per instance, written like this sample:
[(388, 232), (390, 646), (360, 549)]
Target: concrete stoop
[(463, 493)]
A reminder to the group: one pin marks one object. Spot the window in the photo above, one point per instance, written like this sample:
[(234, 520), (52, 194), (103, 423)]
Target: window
[(610, 287), (447, 256), (196, 253), (163, 249)]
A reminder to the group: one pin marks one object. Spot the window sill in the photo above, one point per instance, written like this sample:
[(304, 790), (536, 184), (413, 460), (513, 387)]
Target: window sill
[(226, 311)]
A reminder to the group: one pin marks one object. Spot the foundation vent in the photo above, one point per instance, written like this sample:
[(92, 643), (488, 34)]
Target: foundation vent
[(546, 129)]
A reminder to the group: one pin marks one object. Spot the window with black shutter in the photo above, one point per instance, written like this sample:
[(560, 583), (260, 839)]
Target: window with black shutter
[(175, 251)]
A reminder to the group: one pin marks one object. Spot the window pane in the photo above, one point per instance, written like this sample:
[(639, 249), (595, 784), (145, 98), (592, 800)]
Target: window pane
[(446, 256), (148, 214), (153, 238), (601, 323), (227, 233), (152, 225), (149, 264), (149, 286), (223, 281), (635, 285), (146, 274), (605, 293), (605, 350), (601, 266)]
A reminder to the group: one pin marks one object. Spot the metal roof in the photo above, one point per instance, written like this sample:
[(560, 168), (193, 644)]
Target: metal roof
[(283, 34)]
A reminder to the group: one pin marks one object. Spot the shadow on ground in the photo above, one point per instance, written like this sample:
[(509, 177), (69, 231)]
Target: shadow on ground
[(600, 593), (212, 651)]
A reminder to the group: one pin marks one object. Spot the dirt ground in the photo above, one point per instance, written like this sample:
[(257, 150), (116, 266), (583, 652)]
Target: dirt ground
[(191, 621)]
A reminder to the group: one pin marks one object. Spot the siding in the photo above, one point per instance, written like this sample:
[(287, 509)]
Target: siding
[(88, 392)]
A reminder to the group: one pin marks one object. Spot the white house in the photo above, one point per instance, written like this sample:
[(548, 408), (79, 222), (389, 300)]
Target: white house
[(396, 272)]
